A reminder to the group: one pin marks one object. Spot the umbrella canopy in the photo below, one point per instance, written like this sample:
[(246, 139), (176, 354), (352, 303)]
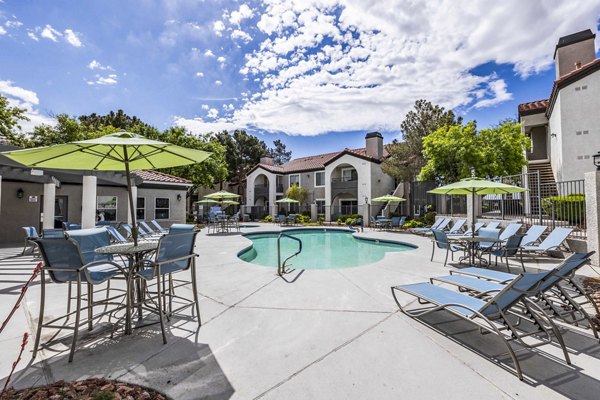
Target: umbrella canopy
[(230, 202), (207, 201), (387, 198), (222, 195), (286, 200), (476, 186), (121, 151)]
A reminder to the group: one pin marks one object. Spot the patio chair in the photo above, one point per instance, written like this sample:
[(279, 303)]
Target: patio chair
[(53, 233), (440, 240), (116, 235), (234, 221), (511, 247), (456, 228), (397, 222), (31, 236), (435, 225), (159, 227), (533, 234), (375, 223), (494, 315), (510, 230), (149, 229), (145, 234), (175, 254), (64, 263), (557, 294), (487, 247), (70, 226), (181, 228), (441, 226), (279, 219), (469, 232), (492, 225), (291, 219), (553, 241)]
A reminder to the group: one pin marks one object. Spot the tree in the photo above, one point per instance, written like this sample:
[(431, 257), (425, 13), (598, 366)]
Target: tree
[(458, 151), (406, 158), (297, 193), (9, 121), (279, 153)]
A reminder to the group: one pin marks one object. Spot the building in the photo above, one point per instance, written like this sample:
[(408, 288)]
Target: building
[(337, 183), (565, 128), (45, 198)]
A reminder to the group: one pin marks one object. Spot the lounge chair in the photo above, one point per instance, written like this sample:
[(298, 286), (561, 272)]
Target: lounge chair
[(158, 227), (440, 240), (558, 294), (181, 228), (149, 229), (53, 233), (31, 236), (533, 234), (427, 231), (510, 230), (553, 241), (435, 225), (456, 228), (469, 232), (147, 234), (492, 315), (492, 225), (116, 235)]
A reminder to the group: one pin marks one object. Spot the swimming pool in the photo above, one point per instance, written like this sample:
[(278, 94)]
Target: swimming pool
[(322, 249)]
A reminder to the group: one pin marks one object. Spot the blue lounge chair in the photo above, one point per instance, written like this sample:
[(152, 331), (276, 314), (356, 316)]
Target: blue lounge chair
[(149, 229), (53, 233), (469, 232), (456, 228), (511, 247), (510, 230), (31, 236), (492, 315), (115, 234), (440, 240), (533, 234), (435, 225), (492, 225), (181, 228), (158, 227), (553, 241)]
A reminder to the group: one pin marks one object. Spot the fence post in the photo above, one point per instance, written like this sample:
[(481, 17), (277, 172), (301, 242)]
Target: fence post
[(592, 213)]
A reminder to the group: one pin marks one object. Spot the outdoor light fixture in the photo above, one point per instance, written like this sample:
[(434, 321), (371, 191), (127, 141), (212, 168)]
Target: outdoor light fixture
[(366, 200), (597, 160), (178, 197), (20, 193)]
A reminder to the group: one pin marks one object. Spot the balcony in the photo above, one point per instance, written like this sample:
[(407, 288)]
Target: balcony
[(344, 185), (261, 190), (279, 188)]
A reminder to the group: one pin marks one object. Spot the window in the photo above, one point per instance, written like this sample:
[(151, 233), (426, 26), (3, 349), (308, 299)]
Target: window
[(107, 208), (295, 180), (349, 207), (320, 206), (349, 174), (161, 208), (140, 209), (319, 178)]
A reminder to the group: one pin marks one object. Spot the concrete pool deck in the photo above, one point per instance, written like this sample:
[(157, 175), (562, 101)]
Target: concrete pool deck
[(331, 334)]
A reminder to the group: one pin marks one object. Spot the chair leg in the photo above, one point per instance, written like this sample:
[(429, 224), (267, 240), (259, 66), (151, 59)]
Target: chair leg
[(41, 315), (432, 250), (171, 293), (160, 307), (90, 305), (69, 300), (195, 289), (446, 260), (507, 266), (24, 247), (77, 312), (521, 257)]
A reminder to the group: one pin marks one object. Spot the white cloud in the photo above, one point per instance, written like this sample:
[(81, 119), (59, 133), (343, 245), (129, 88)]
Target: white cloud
[(238, 34), (49, 32), (72, 38), (96, 65), (212, 113), (347, 65), (244, 12), (13, 24), (32, 36), (221, 59), (228, 107), (199, 74), (218, 83), (109, 80), (2, 31), (204, 106), (218, 28), (209, 53), (28, 100)]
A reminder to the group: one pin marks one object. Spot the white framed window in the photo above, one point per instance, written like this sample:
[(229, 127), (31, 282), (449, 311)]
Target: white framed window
[(349, 206), (349, 174), (295, 180), (140, 209), (320, 206), (319, 178), (161, 208), (106, 207)]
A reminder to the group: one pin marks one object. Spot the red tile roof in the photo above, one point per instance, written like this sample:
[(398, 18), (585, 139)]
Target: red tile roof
[(570, 78), (161, 177), (533, 107)]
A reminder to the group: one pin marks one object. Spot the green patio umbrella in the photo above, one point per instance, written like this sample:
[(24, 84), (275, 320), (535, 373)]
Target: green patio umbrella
[(476, 186), (222, 195), (207, 201), (121, 151), (387, 198), (286, 200)]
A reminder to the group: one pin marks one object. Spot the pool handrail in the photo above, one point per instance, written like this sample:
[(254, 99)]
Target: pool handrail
[(281, 266)]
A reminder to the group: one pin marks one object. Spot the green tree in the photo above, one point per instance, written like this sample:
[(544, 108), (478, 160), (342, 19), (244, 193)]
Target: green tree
[(297, 193), (406, 157), (455, 152), (9, 122), (279, 153)]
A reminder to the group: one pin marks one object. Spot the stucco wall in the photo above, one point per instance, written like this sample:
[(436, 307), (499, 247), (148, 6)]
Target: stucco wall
[(176, 207), (555, 138)]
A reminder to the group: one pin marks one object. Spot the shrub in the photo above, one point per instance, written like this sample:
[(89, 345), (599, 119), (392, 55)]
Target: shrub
[(303, 219), (306, 213), (268, 218), (342, 219), (569, 208), (429, 218), (413, 223)]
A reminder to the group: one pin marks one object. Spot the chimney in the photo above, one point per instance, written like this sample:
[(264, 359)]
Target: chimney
[(266, 160), (573, 51), (374, 142)]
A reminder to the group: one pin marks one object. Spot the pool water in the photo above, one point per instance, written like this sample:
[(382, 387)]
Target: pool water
[(321, 249)]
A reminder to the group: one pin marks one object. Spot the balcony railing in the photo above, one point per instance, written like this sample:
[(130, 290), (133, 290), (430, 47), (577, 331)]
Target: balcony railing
[(344, 185), (261, 190)]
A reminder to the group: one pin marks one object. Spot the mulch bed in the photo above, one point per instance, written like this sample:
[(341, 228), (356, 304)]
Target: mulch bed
[(89, 389), (592, 286)]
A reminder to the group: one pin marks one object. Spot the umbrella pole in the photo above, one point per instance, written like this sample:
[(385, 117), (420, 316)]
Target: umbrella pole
[(134, 231)]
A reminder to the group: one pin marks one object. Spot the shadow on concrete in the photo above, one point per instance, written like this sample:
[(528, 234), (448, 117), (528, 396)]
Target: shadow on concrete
[(539, 367)]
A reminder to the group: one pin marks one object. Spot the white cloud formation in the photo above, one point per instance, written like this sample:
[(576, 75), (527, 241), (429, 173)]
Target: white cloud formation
[(204, 106), (13, 24), (238, 34), (209, 53), (212, 113), (32, 36), (218, 28), (199, 74), (347, 65), (28, 100), (2, 31), (109, 80), (96, 65), (244, 12), (49, 32), (221, 59), (228, 107), (72, 38), (218, 83)]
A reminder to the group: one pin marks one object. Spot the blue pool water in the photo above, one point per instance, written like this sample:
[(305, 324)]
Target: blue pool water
[(322, 249)]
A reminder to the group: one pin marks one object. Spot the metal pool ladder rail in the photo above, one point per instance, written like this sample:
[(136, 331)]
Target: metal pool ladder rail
[(281, 266)]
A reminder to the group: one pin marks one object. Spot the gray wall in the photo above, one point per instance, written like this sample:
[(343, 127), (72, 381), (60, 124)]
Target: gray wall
[(176, 207)]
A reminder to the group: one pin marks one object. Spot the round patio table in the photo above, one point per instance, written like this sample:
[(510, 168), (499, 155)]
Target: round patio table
[(471, 242)]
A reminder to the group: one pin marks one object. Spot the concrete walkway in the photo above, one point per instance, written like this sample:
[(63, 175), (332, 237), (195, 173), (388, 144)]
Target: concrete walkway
[(331, 334)]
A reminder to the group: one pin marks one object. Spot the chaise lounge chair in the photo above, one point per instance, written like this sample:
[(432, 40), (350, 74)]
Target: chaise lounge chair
[(533, 234), (510, 230), (553, 241), (456, 228)]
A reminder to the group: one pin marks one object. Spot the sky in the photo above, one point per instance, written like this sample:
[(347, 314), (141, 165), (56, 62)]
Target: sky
[(317, 74)]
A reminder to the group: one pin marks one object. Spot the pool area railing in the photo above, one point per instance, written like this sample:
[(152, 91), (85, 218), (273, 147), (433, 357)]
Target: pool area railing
[(281, 266)]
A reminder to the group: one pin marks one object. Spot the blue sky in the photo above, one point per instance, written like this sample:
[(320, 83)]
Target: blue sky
[(317, 74)]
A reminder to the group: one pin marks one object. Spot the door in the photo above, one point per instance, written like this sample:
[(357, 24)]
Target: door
[(61, 210)]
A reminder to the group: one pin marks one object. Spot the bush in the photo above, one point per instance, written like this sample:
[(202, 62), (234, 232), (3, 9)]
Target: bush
[(268, 218), (569, 208), (429, 218), (306, 213), (413, 223), (303, 219)]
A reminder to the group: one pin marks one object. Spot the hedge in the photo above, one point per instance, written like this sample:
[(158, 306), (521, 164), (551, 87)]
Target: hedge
[(569, 208)]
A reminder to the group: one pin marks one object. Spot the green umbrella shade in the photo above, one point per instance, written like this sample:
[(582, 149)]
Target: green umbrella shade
[(207, 201), (113, 152), (286, 200), (387, 198), (223, 194), (477, 186)]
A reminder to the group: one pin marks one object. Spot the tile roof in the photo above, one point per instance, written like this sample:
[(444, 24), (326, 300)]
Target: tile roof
[(161, 177), (533, 107), (570, 78)]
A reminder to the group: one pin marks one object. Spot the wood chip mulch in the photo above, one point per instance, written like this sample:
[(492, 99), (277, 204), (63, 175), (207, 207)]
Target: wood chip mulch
[(89, 389)]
